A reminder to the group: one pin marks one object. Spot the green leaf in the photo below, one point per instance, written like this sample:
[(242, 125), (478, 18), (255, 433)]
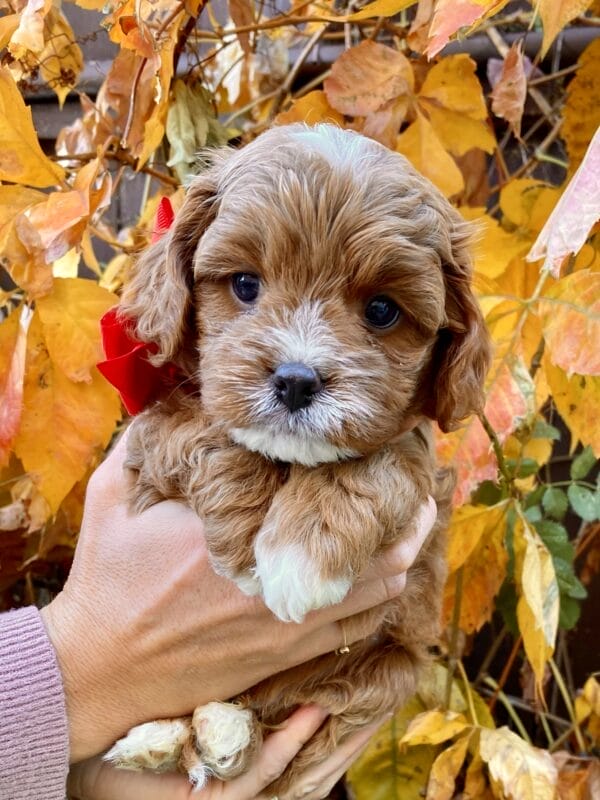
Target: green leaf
[(569, 612), (523, 468), (534, 514), (551, 532), (555, 502), (543, 430), (584, 502), (582, 464)]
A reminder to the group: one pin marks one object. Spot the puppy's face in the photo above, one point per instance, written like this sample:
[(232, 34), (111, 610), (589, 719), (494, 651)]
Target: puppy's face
[(329, 287)]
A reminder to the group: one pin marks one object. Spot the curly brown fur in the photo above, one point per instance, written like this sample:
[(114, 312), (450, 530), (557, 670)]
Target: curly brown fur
[(327, 220)]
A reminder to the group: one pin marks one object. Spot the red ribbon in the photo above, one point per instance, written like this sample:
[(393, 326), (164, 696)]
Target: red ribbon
[(127, 367)]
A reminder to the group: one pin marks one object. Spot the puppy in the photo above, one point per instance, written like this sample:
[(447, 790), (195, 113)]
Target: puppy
[(314, 296)]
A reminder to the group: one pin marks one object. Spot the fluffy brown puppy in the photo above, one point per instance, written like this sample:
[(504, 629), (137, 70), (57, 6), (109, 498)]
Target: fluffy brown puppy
[(314, 294)]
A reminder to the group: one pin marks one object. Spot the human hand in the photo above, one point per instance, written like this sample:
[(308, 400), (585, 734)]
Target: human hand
[(144, 629), (96, 780)]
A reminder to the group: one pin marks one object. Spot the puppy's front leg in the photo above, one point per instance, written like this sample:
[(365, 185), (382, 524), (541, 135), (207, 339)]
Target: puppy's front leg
[(324, 526)]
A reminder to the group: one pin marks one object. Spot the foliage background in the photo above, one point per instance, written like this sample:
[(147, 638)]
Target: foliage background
[(512, 707)]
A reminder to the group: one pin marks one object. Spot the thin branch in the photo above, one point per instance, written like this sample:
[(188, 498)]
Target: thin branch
[(453, 655), (292, 74)]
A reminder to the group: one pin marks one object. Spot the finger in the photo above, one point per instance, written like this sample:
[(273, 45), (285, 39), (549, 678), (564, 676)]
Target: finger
[(276, 753), (97, 780), (401, 556), (318, 781)]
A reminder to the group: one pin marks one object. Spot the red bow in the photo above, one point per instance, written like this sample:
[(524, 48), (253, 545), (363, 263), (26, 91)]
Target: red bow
[(127, 366)]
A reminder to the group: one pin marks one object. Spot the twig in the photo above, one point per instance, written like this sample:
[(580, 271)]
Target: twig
[(505, 673), (490, 655), (471, 704), (125, 158), (553, 76), (568, 704), (452, 656), (291, 76), (493, 437), (499, 694)]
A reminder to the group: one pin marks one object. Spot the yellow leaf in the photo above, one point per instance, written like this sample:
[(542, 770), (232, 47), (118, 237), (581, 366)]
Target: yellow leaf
[(453, 83), (13, 341), (67, 266), (8, 25), (63, 423), (431, 690), (442, 778), (578, 402), (581, 114), (538, 605), (61, 60), (21, 157), (70, 317), (482, 576), (311, 109), (378, 8), (467, 526), (527, 203), (458, 132), (518, 769), (556, 15), (434, 727), (366, 77), (494, 247), (420, 144), (30, 33), (382, 772), (570, 315)]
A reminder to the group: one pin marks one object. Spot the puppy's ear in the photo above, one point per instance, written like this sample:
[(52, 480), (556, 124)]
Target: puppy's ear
[(158, 295), (463, 352)]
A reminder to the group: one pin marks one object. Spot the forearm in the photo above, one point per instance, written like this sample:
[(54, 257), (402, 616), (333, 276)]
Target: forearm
[(34, 742)]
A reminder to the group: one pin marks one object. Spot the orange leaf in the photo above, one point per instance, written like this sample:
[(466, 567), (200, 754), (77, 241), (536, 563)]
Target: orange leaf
[(508, 96), (570, 314), (366, 76), (452, 15)]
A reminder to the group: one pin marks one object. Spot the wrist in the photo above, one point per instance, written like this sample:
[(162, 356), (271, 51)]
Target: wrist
[(88, 670)]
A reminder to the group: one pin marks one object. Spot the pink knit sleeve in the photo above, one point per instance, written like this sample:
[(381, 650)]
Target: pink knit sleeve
[(34, 740)]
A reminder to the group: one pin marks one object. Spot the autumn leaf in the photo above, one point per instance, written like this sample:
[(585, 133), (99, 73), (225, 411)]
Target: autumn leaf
[(311, 108), (29, 35), (570, 315), (578, 209), (434, 727), (577, 399), (538, 605), (51, 228), (366, 77), (581, 114), (423, 148), (555, 14), (452, 15), (13, 339), (476, 547), (21, 158), (444, 770), (64, 424), (517, 769), (493, 246), (70, 317), (61, 60), (31, 274), (509, 94)]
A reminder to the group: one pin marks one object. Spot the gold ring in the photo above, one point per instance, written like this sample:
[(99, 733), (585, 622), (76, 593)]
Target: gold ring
[(344, 650)]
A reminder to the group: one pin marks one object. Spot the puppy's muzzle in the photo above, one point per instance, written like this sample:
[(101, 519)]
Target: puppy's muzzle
[(296, 385)]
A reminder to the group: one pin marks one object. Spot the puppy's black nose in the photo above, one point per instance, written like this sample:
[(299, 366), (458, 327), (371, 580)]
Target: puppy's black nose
[(296, 385)]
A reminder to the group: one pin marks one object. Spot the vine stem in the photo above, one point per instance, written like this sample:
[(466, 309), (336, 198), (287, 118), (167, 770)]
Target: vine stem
[(505, 673), (568, 704), (452, 656), (499, 694)]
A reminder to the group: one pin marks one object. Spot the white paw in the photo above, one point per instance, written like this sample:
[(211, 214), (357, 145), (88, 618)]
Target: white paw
[(226, 736), (291, 581), (153, 745), (248, 583)]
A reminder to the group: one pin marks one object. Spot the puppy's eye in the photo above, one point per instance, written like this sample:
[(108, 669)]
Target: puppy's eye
[(381, 312), (245, 286)]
